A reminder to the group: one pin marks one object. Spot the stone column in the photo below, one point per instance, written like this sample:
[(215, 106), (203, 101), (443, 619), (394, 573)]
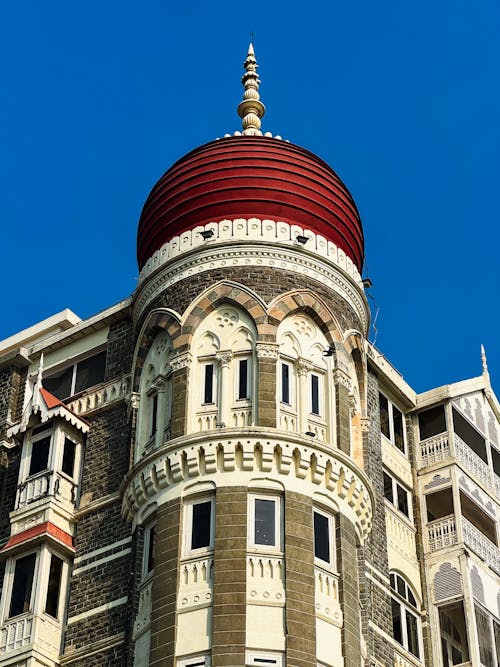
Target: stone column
[(303, 369), (267, 356), (180, 376), (165, 583), (343, 414), (299, 582), (230, 576), (347, 563), (224, 390)]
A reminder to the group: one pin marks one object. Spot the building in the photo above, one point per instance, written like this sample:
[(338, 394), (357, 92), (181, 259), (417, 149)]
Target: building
[(222, 470)]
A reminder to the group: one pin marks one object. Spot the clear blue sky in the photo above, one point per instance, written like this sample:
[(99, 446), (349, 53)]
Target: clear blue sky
[(401, 98)]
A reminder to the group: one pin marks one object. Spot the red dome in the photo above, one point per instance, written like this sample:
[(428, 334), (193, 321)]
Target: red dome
[(250, 177)]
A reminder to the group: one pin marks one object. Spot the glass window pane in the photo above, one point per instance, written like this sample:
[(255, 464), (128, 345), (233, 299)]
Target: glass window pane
[(396, 621), (397, 420), (68, 462), (403, 500), (59, 384), (39, 456), (314, 394), (384, 416), (243, 379), (484, 638), (54, 586), (265, 522), (150, 562), (154, 414), (208, 394), (285, 383), (388, 487), (90, 372), (22, 585), (431, 422), (412, 633), (401, 586), (321, 537), (200, 534)]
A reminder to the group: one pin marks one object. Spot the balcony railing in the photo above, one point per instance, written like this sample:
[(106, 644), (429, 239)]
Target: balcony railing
[(481, 545), (103, 395), (442, 533), (402, 660), (21, 631), (438, 449), (49, 483)]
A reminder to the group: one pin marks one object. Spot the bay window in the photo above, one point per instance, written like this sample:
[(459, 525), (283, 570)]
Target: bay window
[(405, 616)]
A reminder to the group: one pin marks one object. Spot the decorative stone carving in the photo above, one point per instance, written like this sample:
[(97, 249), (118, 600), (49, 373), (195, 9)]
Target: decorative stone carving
[(267, 351), (180, 361), (341, 378), (224, 358)]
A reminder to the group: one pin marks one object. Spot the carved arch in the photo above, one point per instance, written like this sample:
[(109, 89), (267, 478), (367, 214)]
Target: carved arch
[(160, 319), (224, 292), (310, 303)]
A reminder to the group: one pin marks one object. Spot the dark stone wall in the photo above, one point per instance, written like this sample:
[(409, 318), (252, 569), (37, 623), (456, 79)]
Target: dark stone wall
[(120, 349), (347, 563)]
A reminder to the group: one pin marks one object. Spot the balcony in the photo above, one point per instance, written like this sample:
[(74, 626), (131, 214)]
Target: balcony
[(442, 533), (438, 448), (23, 631), (46, 484)]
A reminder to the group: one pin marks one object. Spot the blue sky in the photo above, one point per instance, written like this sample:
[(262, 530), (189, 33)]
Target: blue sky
[(401, 98)]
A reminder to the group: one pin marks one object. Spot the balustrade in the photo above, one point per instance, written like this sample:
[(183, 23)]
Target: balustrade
[(442, 533), (401, 660), (481, 545), (434, 449), (473, 463), (101, 396), (50, 483), (20, 631)]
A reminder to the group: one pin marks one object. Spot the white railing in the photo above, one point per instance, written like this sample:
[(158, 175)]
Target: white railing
[(474, 463), (101, 396), (442, 533), (196, 582), (18, 632), (401, 660), (434, 449), (265, 579), (45, 484), (143, 618), (483, 547)]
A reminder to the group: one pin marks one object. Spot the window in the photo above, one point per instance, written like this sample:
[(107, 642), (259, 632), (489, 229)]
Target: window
[(54, 586), (392, 423), (397, 495), (264, 658), (39, 461), (153, 421), (323, 538), (77, 377), (208, 384), (22, 585), (199, 526), (432, 422), (314, 394), (148, 561), (405, 617), (243, 379), (285, 383), (68, 460), (488, 635), (265, 519), (453, 629)]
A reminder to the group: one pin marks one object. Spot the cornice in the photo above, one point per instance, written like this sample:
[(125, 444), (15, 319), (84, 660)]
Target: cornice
[(272, 255), (241, 456)]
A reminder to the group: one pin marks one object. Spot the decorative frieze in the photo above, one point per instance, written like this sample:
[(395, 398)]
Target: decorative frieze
[(267, 351), (183, 360)]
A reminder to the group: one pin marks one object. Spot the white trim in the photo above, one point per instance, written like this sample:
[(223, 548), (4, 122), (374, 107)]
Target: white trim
[(98, 610), (106, 559), (187, 528), (262, 658), (102, 550), (278, 528), (198, 660)]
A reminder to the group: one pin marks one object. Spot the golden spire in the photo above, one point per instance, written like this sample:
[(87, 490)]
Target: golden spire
[(251, 108)]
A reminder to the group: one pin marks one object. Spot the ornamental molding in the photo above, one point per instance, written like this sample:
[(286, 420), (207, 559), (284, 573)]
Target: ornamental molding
[(303, 367), (224, 358), (267, 351), (266, 253), (246, 457), (182, 360), (342, 378)]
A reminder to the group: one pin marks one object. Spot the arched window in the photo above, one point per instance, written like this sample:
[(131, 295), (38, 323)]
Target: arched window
[(155, 408), (223, 377), (305, 396), (405, 615)]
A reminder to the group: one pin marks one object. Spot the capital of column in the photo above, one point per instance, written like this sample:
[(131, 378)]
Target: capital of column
[(341, 378), (182, 360), (303, 367), (365, 424), (267, 350), (224, 358)]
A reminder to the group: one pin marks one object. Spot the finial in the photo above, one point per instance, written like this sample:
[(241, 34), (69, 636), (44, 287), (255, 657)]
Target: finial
[(38, 385), (251, 108), (484, 362)]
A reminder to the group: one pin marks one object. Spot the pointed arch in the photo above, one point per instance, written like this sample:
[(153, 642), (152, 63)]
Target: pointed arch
[(224, 292), (310, 303), (160, 319)]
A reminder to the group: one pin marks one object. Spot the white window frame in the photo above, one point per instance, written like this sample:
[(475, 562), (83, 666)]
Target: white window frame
[(149, 529), (321, 395), (74, 364), (58, 434), (390, 406), (331, 564), (406, 606), (278, 517), (291, 383), (187, 531), (215, 382), (50, 432), (236, 371), (263, 658), (394, 501), (201, 659)]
